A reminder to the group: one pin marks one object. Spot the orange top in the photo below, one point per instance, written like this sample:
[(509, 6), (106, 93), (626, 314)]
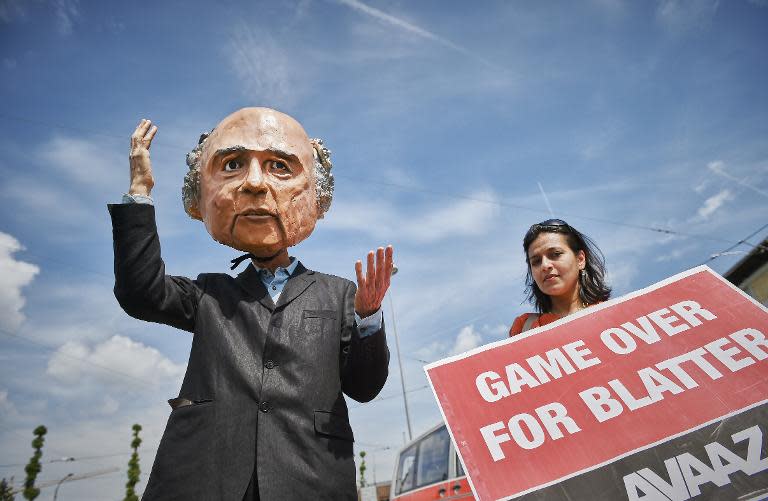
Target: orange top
[(544, 319)]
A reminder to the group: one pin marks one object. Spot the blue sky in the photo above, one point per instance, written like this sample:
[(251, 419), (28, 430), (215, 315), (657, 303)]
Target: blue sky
[(453, 125)]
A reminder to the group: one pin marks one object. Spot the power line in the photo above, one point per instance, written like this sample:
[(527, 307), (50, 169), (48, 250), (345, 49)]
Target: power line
[(48, 259), (61, 460), (504, 204), (664, 231), (83, 458), (60, 126), (393, 395), (83, 476), (742, 241), (416, 359), (79, 359), (116, 454), (377, 446), (28, 439), (509, 205), (462, 324)]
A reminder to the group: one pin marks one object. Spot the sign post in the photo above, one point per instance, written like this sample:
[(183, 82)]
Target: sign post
[(658, 395)]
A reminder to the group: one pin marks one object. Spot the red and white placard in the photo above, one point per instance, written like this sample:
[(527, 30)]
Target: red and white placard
[(614, 379)]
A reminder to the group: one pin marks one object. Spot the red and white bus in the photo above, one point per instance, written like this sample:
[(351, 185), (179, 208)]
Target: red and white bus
[(428, 468)]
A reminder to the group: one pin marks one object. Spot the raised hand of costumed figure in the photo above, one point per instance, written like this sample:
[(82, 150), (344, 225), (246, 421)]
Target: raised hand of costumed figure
[(372, 287), (141, 167)]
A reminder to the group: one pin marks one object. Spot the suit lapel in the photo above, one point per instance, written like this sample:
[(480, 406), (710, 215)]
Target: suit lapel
[(250, 281), (300, 280)]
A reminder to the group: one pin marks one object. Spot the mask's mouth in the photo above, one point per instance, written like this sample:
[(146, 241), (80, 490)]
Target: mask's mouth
[(259, 213)]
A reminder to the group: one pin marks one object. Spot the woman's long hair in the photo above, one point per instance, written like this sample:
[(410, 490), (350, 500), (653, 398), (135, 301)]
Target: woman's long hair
[(592, 286)]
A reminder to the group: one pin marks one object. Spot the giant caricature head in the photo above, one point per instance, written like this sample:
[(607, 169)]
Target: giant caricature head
[(257, 182)]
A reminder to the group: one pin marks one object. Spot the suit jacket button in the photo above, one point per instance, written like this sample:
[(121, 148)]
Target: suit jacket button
[(269, 364), (264, 407)]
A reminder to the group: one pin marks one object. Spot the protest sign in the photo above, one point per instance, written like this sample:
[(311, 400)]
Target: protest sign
[(660, 394)]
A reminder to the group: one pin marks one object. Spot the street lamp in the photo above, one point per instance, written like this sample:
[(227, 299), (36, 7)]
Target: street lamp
[(56, 491), (399, 358)]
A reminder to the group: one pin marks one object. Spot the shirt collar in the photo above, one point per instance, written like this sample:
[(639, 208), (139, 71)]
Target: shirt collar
[(287, 271)]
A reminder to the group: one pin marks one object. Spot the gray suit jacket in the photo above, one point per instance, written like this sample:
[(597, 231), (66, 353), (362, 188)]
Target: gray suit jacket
[(263, 387)]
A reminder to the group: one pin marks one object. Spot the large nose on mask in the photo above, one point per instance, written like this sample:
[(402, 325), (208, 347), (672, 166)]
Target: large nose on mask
[(254, 177)]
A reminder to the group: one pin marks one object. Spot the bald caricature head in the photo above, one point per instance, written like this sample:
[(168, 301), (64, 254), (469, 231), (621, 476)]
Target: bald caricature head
[(257, 182)]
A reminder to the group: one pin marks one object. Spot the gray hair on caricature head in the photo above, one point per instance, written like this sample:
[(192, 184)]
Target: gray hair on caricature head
[(190, 190)]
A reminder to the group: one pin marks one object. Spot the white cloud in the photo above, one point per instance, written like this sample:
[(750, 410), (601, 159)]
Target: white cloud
[(130, 362), (467, 339), (699, 188), (85, 162), (264, 68), (12, 9), (82, 313), (673, 255), (67, 13), (79, 175), (620, 275), (713, 203), (431, 352), (15, 275), (109, 406), (42, 202), (7, 409), (466, 217), (610, 5), (501, 330), (434, 289), (684, 15), (598, 142)]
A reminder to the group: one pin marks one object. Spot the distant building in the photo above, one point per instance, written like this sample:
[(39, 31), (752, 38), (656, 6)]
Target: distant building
[(751, 273), (377, 492)]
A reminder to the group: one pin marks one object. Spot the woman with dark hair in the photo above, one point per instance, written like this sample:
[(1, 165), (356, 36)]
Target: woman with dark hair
[(566, 273)]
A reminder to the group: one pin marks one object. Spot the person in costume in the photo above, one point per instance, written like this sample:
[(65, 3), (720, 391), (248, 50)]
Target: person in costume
[(566, 273), (261, 412)]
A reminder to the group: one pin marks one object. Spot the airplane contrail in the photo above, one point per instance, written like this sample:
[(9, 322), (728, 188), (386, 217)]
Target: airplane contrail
[(413, 29), (717, 168)]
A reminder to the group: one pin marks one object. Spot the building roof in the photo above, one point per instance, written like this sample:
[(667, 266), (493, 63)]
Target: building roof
[(742, 270)]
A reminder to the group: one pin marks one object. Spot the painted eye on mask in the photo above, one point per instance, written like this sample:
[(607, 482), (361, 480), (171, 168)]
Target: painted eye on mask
[(232, 165), (279, 166)]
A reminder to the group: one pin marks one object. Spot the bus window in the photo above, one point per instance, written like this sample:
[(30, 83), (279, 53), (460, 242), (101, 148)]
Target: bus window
[(459, 468), (432, 465), (405, 473)]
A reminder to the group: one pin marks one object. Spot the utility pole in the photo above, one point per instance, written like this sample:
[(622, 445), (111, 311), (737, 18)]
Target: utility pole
[(399, 358)]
